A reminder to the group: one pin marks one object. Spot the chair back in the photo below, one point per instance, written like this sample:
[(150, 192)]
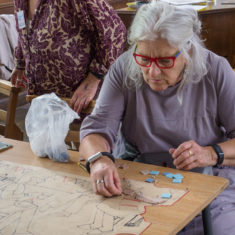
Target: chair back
[(8, 126)]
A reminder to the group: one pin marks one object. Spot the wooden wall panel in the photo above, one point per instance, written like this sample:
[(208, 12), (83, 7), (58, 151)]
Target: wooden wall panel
[(219, 33), (6, 7)]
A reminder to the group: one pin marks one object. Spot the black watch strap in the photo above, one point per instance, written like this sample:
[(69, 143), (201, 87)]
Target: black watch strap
[(219, 153), (96, 156)]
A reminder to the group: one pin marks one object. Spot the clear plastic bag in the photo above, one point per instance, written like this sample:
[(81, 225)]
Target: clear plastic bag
[(47, 124)]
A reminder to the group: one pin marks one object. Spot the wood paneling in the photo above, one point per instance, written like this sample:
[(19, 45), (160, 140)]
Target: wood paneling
[(219, 34), (116, 4), (6, 7)]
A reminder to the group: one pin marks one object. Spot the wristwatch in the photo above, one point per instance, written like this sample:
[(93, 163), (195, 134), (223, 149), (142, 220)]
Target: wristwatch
[(94, 157), (219, 153)]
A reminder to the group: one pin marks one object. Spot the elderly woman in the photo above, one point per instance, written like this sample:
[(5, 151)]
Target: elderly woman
[(175, 101)]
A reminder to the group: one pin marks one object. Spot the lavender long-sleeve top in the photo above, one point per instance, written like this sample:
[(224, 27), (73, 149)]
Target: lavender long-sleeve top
[(66, 40), (155, 121)]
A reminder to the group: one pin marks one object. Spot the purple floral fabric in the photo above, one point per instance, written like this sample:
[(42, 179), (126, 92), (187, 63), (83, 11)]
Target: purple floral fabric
[(66, 40)]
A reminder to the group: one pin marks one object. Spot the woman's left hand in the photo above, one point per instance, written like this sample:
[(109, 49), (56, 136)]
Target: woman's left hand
[(84, 93), (189, 155)]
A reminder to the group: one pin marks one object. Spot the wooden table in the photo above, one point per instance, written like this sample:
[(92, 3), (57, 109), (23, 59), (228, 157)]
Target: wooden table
[(217, 26), (166, 220)]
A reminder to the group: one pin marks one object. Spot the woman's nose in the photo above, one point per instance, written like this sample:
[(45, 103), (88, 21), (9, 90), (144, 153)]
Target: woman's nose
[(154, 70)]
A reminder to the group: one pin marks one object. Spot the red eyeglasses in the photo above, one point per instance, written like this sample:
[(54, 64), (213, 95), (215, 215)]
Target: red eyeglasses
[(161, 62)]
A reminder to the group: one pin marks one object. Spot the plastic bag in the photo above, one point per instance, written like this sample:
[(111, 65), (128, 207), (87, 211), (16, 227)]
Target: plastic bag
[(47, 124)]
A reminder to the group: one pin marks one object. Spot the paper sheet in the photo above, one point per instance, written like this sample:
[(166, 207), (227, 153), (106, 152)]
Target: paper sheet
[(35, 200)]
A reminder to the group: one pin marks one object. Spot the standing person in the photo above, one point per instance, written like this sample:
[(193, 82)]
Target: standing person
[(66, 47), (176, 103)]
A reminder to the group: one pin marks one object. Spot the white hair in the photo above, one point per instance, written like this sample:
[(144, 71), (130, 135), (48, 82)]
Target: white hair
[(180, 27)]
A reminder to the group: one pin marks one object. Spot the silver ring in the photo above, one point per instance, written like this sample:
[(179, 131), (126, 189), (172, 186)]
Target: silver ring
[(18, 80), (99, 181)]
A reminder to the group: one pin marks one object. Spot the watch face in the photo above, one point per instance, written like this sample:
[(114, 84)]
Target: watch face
[(94, 157)]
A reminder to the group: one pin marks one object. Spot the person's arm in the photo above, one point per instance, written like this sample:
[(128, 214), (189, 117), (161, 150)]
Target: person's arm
[(190, 155), (99, 130), (18, 78), (108, 36), (19, 57), (18, 75), (92, 144), (18, 52), (103, 172), (228, 148)]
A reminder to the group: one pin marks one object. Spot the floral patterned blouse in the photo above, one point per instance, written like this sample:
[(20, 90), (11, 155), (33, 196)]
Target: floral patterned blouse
[(66, 40)]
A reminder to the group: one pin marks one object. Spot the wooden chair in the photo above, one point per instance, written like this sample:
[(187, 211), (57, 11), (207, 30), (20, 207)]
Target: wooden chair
[(73, 133), (8, 127)]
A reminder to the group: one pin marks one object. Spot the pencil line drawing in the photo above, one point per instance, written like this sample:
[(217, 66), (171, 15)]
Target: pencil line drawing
[(35, 201)]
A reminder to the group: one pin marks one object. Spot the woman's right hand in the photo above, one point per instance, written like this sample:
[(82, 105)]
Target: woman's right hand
[(105, 178), (18, 78)]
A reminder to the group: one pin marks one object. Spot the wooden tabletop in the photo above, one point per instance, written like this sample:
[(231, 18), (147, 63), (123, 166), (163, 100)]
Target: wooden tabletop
[(165, 219)]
